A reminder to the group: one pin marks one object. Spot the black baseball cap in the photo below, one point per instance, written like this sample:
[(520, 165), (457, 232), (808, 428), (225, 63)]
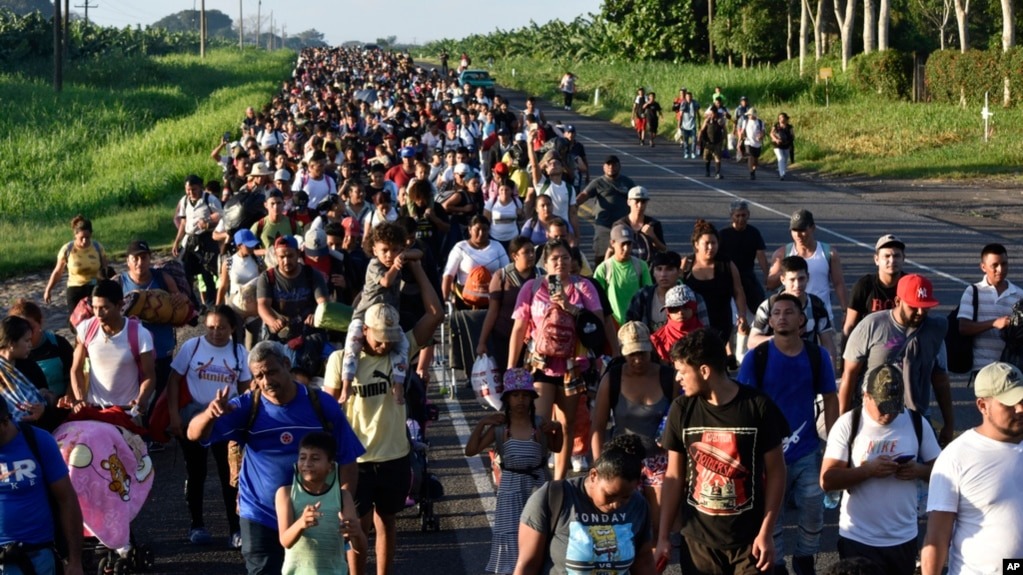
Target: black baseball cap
[(137, 247)]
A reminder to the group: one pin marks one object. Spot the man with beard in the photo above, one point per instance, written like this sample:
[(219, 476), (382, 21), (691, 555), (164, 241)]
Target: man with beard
[(975, 503), (876, 292), (784, 369), (612, 193), (908, 337), (287, 295)]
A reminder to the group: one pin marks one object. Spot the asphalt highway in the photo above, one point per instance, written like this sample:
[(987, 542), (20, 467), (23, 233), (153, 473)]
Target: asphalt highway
[(851, 222)]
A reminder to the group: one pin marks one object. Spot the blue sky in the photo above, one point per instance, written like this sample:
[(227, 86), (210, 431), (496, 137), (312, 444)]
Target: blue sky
[(365, 20)]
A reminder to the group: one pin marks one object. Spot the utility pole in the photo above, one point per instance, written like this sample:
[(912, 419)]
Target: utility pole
[(58, 53), (202, 30), (65, 24), (241, 27), (270, 37), (259, 21), (86, 6)]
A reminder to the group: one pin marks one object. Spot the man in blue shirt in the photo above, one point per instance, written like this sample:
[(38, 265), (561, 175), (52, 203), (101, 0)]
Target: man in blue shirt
[(789, 377), (27, 529), (286, 412)]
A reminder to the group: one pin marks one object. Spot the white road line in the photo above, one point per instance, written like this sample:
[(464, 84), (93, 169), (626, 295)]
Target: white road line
[(868, 247)]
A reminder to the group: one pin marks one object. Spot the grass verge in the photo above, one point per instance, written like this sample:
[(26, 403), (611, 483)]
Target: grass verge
[(856, 134), (116, 145)]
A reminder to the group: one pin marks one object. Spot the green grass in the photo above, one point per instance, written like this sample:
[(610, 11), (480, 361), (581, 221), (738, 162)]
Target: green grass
[(856, 135), (116, 145)]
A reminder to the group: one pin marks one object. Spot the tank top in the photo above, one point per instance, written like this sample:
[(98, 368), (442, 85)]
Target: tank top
[(716, 293), (641, 420), (83, 264), (163, 333), (819, 283), (321, 549)]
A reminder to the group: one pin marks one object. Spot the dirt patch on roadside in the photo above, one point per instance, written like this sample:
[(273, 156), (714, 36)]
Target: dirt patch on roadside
[(988, 206)]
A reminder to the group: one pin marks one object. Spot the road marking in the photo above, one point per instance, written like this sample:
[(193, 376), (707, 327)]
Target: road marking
[(868, 247)]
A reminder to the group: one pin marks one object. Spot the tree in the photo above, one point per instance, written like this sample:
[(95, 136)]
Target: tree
[(846, 16), (962, 19), (188, 21), (869, 27), (647, 29), (884, 16), (387, 42), (1008, 26), (24, 7), (937, 12)]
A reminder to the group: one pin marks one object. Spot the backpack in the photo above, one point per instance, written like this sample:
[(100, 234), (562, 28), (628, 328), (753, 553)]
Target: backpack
[(813, 352), (314, 399), (546, 185), (715, 131), (174, 270), (635, 266), (959, 347), (476, 291), (857, 415), (555, 336), (511, 276), (242, 211)]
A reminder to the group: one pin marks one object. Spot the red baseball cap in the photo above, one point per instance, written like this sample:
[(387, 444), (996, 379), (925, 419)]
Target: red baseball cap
[(916, 291), (351, 226)]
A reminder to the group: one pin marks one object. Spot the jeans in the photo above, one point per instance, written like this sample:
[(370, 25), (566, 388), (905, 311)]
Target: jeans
[(783, 160), (261, 548), (689, 142), (196, 464), (43, 561), (802, 487)]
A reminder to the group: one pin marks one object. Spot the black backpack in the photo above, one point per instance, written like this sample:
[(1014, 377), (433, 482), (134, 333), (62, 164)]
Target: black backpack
[(243, 210), (813, 351), (959, 347)]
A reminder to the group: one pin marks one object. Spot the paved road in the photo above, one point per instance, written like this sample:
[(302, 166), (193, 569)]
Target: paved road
[(847, 219)]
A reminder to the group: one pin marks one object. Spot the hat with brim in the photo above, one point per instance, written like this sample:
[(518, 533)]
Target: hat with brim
[(518, 379), (244, 237), (138, 247), (916, 291), (382, 321), (260, 169), (885, 387), (999, 380), (634, 337)]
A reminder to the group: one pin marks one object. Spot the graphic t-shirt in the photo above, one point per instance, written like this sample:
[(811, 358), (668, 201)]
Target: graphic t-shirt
[(208, 368), (724, 447), (869, 295), (23, 488), (294, 298), (589, 540)]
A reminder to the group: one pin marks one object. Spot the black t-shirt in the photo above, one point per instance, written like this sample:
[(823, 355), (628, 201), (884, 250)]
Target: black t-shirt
[(740, 248), (724, 447), (869, 295), (294, 298)]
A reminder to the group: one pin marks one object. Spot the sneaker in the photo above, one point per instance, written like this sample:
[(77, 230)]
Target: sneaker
[(235, 542), (550, 462), (200, 536), (718, 176), (782, 177), (803, 565), (752, 175), (579, 463)]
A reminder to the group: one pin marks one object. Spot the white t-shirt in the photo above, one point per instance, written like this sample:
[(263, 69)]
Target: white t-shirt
[(207, 368), (862, 519), (504, 218), (463, 258), (753, 132), (201, 209), (977, 478), (318, 190), (561, 199), (114, 376)]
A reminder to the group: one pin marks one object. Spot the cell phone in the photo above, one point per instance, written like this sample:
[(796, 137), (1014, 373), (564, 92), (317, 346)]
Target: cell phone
[(903, 459), (662, 563), (554, 283), (227, 137)]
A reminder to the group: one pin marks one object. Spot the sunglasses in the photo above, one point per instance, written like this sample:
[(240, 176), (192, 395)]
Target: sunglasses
[(674, 309)]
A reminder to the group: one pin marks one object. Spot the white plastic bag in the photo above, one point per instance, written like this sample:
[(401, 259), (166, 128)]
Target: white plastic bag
[(486, 381)]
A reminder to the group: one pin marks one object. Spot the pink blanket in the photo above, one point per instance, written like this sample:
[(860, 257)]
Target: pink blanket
[(112, 474)]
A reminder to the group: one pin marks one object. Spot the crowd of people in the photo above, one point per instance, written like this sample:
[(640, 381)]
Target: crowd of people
[(372, 198)]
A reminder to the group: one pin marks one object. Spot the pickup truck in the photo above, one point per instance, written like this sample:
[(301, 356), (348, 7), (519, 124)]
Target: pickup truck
[(478, 78)]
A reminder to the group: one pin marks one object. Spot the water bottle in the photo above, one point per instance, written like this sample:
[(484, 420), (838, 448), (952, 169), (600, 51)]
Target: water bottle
[(832, 499)]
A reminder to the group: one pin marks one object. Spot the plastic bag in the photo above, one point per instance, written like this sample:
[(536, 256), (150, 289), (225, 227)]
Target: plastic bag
[(486, 381)]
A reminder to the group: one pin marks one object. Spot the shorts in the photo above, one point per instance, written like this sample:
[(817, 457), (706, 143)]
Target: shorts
[(695, 557), (573, 386), (654, 468), (753, 151), (712, 151), (640, 124), (384, 486)]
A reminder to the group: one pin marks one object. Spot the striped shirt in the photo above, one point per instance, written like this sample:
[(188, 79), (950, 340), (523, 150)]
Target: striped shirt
[(988, 344)]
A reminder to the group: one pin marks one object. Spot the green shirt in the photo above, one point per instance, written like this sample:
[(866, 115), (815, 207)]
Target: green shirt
[(624, 283)]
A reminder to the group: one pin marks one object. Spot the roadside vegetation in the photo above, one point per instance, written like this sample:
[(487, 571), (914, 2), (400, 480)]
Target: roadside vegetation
[(116, 144), (863, 134)]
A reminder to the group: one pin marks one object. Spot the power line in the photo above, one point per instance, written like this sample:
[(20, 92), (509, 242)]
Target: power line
[(87, 6)]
